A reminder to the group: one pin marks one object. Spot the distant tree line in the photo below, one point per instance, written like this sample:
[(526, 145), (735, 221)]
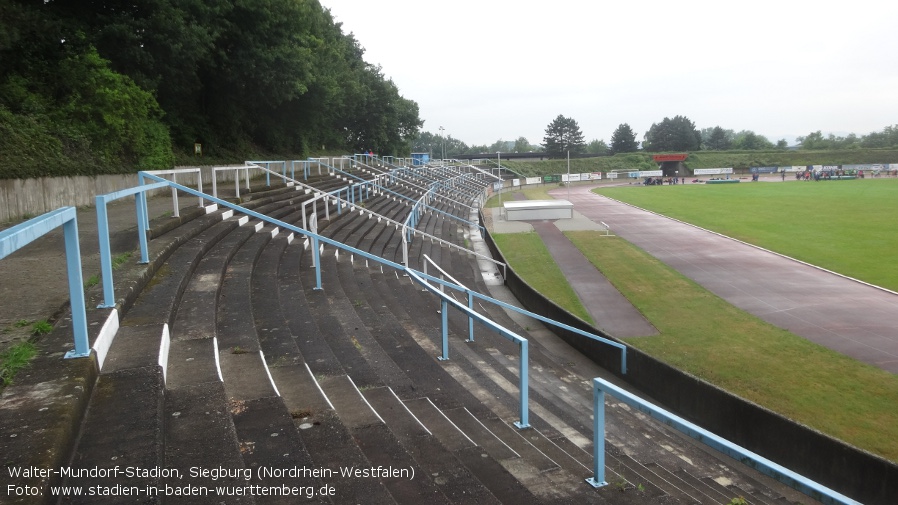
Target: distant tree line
[(127, 83), (679, 133)]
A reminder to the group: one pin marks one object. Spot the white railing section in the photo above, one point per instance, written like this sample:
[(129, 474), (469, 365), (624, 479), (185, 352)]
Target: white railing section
[(174, 178)]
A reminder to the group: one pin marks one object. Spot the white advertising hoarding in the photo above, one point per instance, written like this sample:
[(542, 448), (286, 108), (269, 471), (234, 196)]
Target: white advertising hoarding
[(712, 171)]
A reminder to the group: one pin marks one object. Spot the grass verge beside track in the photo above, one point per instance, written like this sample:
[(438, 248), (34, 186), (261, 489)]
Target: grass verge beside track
[(709, 338), (531, 260)]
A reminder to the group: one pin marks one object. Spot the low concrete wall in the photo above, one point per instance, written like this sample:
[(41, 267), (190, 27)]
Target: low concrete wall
[(33, 197), (855, 473)]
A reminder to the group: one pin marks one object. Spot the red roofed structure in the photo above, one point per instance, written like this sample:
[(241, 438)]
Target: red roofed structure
[(671, 164), (669, 157)]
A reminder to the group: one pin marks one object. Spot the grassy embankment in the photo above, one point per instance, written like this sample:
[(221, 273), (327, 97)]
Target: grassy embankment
[(707, 337), (739, 160)]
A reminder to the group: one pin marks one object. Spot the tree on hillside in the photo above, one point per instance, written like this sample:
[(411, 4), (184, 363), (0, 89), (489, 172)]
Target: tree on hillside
[(677, 134), (597, 146), (522, 145), (888, 137), (623, 140), (563, 135), (501, 146), (427, 142), (717, 139), (816, 140), (747, 140)]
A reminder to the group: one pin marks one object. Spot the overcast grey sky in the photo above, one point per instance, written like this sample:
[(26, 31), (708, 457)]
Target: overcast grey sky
[(491, 69)]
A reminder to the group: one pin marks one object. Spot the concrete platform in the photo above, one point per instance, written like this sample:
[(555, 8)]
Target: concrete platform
[(524, 210)]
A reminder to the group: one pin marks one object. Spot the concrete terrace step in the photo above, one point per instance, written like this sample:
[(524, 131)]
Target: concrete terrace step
[(123, 428), (297, 312), (440, 464), (196, 311), (437, 423), (348, 352), (196, 315), (332, 447), (200, 434), (271, 445), (527, 472), (243, 370), (379, 445)]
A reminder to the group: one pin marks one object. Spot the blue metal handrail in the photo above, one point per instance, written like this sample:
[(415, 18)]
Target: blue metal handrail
[(534, 315), (523, 377), (780, 473), (103, 235), (20, 235)]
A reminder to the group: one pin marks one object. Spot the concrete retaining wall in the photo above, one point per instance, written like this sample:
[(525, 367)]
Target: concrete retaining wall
[(855, 473), (32, 197)]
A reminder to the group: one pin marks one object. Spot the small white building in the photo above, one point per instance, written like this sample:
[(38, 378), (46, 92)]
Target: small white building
[(530, 210)]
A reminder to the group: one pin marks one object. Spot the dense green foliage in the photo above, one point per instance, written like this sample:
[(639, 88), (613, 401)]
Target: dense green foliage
[(677, 134), (747, 140), (716, 139), (435, 144), (95, 87), (596, 146), (623, 140), (887, 138)]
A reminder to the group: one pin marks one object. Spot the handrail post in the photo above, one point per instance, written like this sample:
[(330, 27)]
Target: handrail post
[(140, 181), (404, 249), (444, 316), (316, 257), (524, 366), (598, 437), (470, 318), (76, 289), (199, 185), (176, 211), (142, 227), (105, 253)]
